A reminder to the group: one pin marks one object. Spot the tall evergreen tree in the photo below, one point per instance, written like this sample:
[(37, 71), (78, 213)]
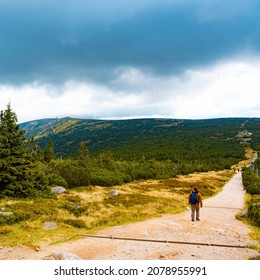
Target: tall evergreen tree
[(19, 176)]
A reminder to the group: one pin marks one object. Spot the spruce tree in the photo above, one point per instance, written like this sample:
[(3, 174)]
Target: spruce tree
[(19, 176)]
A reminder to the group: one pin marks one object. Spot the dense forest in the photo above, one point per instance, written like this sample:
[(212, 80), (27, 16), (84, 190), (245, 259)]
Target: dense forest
[(73, 152)]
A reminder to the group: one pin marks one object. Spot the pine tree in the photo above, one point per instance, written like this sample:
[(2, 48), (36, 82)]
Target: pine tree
[(19, 176)]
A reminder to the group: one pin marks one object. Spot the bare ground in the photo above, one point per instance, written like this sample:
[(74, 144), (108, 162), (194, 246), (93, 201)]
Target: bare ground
[(218, 225)]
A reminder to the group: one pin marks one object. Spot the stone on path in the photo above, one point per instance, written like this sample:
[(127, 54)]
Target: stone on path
[(65, 256)]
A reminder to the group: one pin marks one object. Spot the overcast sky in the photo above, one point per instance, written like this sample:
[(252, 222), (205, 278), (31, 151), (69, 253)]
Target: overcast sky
[(121, 59)]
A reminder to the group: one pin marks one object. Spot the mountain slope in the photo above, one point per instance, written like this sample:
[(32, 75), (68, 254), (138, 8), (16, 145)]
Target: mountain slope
[(160, 139)]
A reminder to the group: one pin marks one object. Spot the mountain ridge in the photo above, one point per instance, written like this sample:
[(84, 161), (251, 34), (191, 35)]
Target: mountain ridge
[(137, 137)]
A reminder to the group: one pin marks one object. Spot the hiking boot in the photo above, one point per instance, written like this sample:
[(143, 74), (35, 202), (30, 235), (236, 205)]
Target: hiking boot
[(197, 219)]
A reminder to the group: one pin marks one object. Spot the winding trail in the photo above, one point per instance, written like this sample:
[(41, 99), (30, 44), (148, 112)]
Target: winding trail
[(218, 225)]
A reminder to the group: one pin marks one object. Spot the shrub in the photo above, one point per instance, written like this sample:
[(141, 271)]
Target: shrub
[(75, 174), (35, 186), (254, 212), (248, 177), (75, 209), (254, 188), (75, 223), (105, 177), (13, 218), (57, 180), (251, 182)]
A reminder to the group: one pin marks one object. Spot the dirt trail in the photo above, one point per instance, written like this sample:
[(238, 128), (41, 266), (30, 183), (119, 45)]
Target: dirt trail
[(218, 225)]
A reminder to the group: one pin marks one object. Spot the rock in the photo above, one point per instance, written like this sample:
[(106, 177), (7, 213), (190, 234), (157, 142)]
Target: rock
[(49, 225), (58, 190), (77, 206), (6, 213), (243, 213), (114, 193), (65, 256)]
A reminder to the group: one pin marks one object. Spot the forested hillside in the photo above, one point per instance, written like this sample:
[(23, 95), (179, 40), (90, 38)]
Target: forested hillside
[(160, 139), (100, 152)]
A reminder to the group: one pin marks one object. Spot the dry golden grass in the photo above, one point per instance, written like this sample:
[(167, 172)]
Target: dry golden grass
[(88, 210)]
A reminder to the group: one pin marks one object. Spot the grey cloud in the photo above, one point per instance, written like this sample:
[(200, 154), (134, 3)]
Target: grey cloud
[(89, 39)]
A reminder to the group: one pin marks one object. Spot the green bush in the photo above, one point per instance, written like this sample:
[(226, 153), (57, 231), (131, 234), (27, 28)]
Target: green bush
[(254, 212), (57, 180), (13, 218), (72, 171), (250, 181), (254, 188), (105, 177), (75, 223), (35, 186), (248, 177), (76, 210)]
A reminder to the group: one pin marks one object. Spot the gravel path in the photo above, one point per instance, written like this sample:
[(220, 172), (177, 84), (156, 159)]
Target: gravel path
[(218, 225)]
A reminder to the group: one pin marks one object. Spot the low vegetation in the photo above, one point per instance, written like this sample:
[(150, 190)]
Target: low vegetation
[(251, 182), (86, 210)]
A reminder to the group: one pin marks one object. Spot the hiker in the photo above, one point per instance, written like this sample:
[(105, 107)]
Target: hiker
[(195, 201)]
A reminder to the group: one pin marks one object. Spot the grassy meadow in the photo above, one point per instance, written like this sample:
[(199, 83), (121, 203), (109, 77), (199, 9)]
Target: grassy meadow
[(89, 209)]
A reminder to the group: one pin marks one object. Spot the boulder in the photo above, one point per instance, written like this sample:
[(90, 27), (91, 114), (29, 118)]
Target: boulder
[(243, 213), (65, 256), (49, 225), (58, 190), (6, 213), (114, 193), (76, 206)]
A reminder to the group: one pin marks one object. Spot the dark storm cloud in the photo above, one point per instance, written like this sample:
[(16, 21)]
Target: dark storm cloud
[(57, 41)]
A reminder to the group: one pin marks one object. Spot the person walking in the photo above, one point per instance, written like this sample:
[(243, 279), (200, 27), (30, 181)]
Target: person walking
[(195, 201)]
